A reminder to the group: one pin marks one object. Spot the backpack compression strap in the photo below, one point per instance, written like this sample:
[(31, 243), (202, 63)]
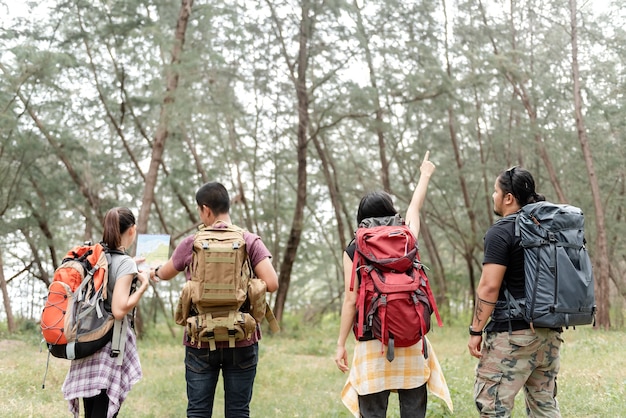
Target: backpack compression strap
[(118, 344), (271, 319)]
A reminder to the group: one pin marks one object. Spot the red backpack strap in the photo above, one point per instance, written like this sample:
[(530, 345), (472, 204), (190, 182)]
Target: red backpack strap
[(431, 297), (360, 303), (429, 292), (382, 313), (361, 312)]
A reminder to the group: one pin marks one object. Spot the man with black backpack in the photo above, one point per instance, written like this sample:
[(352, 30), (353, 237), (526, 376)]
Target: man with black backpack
[(220, 261), (514, 354)]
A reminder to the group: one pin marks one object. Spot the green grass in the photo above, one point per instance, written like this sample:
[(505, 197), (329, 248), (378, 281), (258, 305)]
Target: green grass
[(298, 378)]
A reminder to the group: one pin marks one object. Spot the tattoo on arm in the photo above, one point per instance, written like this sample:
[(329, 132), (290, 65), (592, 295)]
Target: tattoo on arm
[(481, 306)]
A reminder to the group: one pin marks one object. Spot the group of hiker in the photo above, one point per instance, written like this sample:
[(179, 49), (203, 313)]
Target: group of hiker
[(387, 306)]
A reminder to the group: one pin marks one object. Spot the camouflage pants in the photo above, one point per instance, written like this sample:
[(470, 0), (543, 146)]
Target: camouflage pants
[(509, 362)]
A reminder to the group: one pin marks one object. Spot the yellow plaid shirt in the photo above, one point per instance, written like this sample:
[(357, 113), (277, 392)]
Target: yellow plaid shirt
[(372, 373)]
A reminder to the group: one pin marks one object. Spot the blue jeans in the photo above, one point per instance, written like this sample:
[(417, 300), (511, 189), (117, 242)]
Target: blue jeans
[(202, 371)]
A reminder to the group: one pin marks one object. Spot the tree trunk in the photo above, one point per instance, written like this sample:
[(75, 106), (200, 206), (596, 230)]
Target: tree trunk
[(378, 126), (89, 194), (333, 188), (240, 196), (6, 299), (521, 92), (601, 254), (438, 275), (158, 145), (300, 81), (470, 244)]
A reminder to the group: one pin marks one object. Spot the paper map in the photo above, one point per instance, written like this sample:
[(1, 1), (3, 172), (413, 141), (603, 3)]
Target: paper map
[(154, 248)]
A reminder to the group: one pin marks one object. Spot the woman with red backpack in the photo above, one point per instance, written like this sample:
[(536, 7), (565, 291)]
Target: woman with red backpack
[(411, 369)]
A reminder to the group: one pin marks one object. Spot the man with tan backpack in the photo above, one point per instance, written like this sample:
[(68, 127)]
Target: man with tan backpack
[(228, 271)]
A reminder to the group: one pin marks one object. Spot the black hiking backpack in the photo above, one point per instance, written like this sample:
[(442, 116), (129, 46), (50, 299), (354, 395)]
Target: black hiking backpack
[(559, 282)]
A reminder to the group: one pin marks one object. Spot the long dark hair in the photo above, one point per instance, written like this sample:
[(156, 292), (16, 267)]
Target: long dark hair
[(116, 222), (375, 204), (521, 184)]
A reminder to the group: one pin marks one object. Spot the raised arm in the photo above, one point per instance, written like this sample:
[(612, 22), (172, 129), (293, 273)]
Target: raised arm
[(412, 217)]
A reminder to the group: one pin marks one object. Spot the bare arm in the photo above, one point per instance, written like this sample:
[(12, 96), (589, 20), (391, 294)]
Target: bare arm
[(348, 311), (486, 297), (166, 271), (266, 272), (123, 302), (419, 195)]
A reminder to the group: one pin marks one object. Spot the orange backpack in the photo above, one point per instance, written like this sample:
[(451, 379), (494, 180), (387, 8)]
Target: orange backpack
[(74, 321)]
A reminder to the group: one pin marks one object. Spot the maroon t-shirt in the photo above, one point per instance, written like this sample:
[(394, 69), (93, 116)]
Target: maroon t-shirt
[(257, 252)]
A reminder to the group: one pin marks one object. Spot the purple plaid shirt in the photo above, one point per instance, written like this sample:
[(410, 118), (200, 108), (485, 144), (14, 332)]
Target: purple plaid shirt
[(88, 376)]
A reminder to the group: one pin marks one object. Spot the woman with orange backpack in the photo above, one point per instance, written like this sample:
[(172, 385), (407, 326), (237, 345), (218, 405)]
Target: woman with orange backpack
[(101, 380)]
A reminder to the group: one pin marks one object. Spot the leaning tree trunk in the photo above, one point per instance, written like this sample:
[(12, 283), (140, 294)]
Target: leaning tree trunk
[(299, 80), (61, 152), (158, 146), (601, 258), (333, 187), (521, 91)]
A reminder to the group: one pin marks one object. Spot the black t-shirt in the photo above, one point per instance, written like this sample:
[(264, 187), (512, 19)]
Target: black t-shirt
[(503, 247), (351, 249)]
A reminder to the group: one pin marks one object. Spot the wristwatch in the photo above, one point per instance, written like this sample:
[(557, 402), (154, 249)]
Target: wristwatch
[(156, 272), (474, 333)]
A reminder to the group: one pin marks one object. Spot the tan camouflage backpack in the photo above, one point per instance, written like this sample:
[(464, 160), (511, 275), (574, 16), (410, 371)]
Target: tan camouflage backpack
[(222, 301)]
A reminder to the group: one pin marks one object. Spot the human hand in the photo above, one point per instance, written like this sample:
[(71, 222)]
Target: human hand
[(341, 358), (154, 276), (144, 280), (474, 345), (427, 168)]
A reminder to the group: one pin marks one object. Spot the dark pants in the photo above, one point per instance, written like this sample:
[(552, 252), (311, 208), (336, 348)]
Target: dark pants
[(202, 371), (412, 403), (97, 406)]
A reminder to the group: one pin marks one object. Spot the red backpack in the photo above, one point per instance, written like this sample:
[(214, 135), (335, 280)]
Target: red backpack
[(394, 302)]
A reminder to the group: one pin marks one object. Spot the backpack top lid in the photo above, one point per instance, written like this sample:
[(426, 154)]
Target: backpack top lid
[(381, 221), (387, 247), (553, 217), (79, 262)]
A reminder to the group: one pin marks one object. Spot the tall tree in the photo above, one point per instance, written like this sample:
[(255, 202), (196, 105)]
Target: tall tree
[(601, 254), (470, 245), (6, 300), (378, 110), (298, 76), (160, 136)]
